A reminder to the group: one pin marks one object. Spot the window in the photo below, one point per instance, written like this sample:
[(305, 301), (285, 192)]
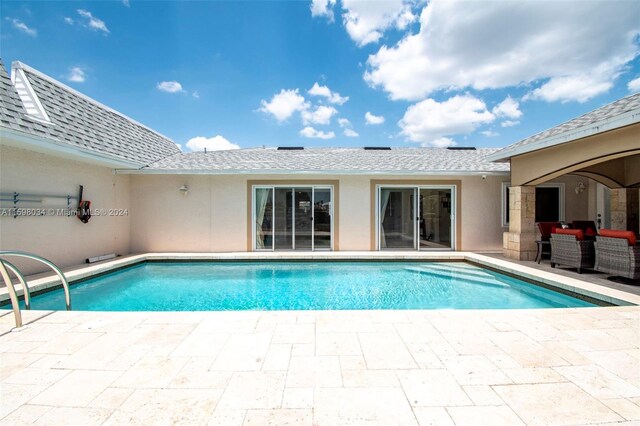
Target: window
[(549, 203)]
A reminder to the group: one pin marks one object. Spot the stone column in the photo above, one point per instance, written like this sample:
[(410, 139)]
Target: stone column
[(619, 209), (520, 242)]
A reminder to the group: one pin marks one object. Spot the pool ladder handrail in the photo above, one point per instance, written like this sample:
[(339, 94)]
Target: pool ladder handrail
[(6, 266)]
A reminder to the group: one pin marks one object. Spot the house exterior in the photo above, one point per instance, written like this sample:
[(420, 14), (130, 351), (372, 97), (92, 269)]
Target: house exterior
[(148, 196)]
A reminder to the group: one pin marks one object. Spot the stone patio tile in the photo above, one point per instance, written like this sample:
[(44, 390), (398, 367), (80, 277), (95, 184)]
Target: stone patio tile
[(303, 349), (66, 343), (17, 346), (151, 372), (25, 415), (14, 395), (277, 358), (111, 398), (227, 418), (526, 351), (297, 398), (314, 371), (123, 323), (436, 416), (221, 323), (243, 352), (343, 322), (432, 388), (199, 344), (255, 389), (383, 406), (503, 361), (419, 333), (337, 344), (621, 363), (166, 406), (294, 333), (84, 416), (460, 322), (547, 403), (629, 334), (624, 407), (168, 336), (482, 395), (101, 353), (174, 317), (489, 416), (196, 375), (305, 318), (352, 362), (471, 343), (279, 417), (596, 340), (424, 356), (533, 375), (474, 370), (562, 350), (39, 331), (76, 389), (599, 382), (385, 351), (36, 376), (369, 378)]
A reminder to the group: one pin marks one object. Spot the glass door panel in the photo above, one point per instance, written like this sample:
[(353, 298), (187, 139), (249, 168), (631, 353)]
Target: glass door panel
[(264, 218), (303, 214), (322, 219), (397, 220), (435, 218), (283, 218)]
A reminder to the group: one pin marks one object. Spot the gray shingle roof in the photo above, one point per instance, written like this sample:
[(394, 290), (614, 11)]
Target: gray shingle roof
[(568, 131), (12, 112), (80, 121), (327, 160)]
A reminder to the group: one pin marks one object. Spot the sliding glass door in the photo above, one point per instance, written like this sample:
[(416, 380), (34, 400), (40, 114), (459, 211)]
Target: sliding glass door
[(416, 218), (292, 218)]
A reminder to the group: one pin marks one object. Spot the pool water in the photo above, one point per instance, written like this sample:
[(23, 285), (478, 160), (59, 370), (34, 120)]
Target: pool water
[(222, 286)]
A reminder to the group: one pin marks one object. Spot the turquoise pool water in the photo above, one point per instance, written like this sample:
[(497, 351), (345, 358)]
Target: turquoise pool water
[(222, 286)]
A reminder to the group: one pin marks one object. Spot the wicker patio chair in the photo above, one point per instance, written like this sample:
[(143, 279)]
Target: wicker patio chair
[(568, 248), (616, 256)]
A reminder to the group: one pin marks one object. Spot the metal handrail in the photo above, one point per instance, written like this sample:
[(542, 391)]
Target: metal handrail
[(23, 281), (59, 273), (12, 293)]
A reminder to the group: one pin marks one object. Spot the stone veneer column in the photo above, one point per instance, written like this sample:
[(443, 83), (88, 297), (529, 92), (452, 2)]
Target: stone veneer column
[(619, 209), (520, 242)]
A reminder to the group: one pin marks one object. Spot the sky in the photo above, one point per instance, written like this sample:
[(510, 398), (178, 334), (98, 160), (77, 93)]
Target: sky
[(348, 73)]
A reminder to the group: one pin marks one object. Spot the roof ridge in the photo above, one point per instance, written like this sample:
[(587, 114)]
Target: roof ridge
[(27, 68)]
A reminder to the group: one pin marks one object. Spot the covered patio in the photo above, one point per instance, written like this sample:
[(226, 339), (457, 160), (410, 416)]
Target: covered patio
[(601, 149)]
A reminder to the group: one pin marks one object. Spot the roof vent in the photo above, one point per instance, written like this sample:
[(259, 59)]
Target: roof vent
[(28, 96), (377, 148), (290, 148), (461, 148)]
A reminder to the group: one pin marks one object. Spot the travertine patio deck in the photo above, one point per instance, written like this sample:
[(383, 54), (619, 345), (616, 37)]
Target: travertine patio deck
[(556, 366)]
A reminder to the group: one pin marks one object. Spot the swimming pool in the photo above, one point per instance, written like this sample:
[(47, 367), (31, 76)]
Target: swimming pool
[(221, 286)]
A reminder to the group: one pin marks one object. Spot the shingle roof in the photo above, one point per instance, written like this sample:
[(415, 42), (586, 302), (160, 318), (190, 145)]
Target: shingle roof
[(327, 160), (79, 121), (585, 125), (12, 112)]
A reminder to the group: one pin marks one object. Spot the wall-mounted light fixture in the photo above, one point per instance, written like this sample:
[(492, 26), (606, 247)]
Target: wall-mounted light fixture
[(184, 190), (579, 188)]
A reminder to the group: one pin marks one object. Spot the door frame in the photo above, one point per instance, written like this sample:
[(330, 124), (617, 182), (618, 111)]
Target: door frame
[(416, 206), (293, 188)]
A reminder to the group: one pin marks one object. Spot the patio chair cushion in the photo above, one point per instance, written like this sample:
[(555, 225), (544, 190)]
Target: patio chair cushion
[(612, 233), (578, 233), (588, 226), (546, 229)]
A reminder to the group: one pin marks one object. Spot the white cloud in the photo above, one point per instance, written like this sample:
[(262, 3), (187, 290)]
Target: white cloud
[(439, 143), (22, 27), (321, 115), (580, 48), (373, 119), (490, 133), (430, 121), (324, 91), (310, 132), (195, 94), (509, 123), (323, 8), (77, 75), (634, 85), (216, 143), (68, 20), (284, 104), (93, 22), (509, 108), (343, 122), (126, 3), (170, 87), (350, 133), (365, 21)]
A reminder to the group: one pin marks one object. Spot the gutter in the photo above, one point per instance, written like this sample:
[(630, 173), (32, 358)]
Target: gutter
[(310, 172)]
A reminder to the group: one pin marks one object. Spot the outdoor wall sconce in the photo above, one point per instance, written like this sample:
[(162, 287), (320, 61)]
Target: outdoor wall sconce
[(579, 188), (184, 190)]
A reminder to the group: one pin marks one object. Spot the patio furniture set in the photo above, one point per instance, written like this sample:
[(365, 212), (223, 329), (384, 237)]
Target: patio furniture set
[(581, 246)]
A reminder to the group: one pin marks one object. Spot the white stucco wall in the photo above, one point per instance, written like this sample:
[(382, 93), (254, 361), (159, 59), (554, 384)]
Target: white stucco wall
[(64, 240), (213, 215)]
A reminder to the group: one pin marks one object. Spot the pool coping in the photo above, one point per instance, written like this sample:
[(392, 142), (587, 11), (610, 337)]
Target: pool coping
[(40, 282)]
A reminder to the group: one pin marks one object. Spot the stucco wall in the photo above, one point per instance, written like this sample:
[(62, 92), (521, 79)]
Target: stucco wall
[(64, 240), (213, 215)]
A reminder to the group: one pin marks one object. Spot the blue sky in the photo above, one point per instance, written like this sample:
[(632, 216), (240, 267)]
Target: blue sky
[(224, 74)]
